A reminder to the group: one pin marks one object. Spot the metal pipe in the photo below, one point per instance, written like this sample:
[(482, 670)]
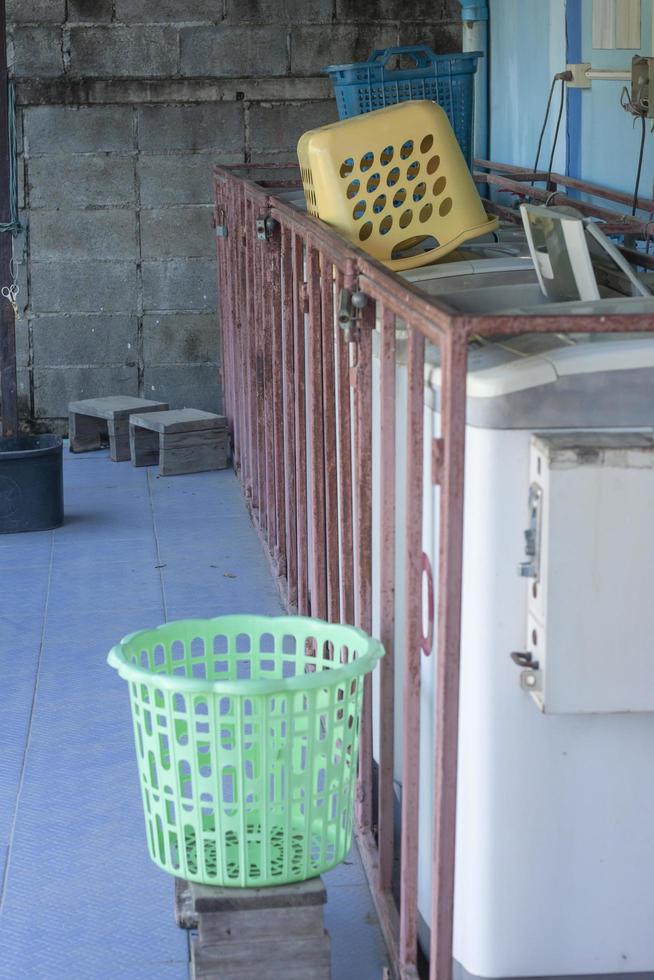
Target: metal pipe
[(345, 468), (316, 449), (474, 10), (299, 410), (608, 74), (8, 385), (474, 15), (330, 445), (363, 544), (454, 356), (411, 652), (289, 418), (387, 463)]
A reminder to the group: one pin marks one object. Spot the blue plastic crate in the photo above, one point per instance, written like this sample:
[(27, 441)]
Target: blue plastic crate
[(447, 79)]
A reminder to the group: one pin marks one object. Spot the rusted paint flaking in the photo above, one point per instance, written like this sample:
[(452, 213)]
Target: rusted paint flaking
[(266, 335), (454, 358), (288, 402), (595, 190), (387, 463), (299, 410), (329, 408), (411, 653), (363, 545), (316, 447), (277, 382), (247, 291), (345, 486)]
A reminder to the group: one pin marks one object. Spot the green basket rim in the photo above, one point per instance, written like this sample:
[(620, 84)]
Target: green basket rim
[(319, 628)]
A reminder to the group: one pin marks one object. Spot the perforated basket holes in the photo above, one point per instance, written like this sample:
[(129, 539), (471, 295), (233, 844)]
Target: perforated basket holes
[(406, 149), (309, 190), (353, 188), (393, 176), (367, 161), (373, 183), (365, 231), (419, 191), (359, 209), (425, 212)]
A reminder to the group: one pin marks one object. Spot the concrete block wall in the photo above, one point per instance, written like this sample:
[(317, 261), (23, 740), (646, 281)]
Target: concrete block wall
[(124, 107)]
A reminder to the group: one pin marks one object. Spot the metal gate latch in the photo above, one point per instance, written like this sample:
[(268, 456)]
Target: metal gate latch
[(349, 312), (531, 567), (221, 224), (265, 227)]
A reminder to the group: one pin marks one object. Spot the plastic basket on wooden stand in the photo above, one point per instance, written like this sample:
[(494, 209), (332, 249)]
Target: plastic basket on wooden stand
[(247, 737), (395, 183)]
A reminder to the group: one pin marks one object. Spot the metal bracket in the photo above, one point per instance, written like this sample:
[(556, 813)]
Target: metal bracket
[(221, 223), (530, 673), (579, 77), (524, 659), (350, 308), (531, 567), (265, 228)]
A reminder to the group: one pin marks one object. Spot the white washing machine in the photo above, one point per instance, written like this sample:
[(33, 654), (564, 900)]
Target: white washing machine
[(555, 862)]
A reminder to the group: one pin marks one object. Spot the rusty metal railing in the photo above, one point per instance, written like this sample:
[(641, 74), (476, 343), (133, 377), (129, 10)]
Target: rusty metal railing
[(298, 309)]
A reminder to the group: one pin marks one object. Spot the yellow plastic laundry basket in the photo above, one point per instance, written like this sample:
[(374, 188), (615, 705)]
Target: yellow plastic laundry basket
[(395, 183)]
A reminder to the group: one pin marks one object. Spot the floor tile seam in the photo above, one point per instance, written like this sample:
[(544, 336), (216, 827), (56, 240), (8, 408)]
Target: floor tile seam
[(28, 737), (155, 533)]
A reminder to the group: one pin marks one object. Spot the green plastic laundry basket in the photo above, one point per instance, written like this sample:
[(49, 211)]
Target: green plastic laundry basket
[(247, 732)]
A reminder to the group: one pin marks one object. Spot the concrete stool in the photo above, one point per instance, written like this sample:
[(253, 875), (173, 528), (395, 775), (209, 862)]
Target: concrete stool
[(92, 421), (263, 933), (183, 441)]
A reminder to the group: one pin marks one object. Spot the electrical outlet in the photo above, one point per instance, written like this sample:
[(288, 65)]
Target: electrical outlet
[(579, 79)]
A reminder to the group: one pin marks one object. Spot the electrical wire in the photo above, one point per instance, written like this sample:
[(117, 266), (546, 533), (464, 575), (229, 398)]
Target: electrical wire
[(640, 164), (13, 226), (556, 131), (637, 103), (542, 132)]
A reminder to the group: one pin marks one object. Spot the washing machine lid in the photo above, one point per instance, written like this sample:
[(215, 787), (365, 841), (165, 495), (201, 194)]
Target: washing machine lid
[(598, 382)]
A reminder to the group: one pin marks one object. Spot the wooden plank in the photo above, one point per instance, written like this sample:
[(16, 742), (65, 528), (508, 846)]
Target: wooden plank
[(118, 430), (211, 898), (86, 433), (272, 924), (185, 915), (115, 406), (292, 959), (143, 446), (180, 420), (192, 452)]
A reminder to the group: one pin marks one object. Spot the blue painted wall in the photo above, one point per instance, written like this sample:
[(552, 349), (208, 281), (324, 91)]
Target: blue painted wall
[(527, 40), (528, 46)]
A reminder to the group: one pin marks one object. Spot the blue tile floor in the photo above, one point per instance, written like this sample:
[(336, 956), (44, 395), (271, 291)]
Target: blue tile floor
[(79, 896)]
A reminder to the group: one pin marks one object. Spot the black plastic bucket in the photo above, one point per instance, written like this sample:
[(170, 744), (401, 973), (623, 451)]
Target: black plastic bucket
[(31, 483)]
